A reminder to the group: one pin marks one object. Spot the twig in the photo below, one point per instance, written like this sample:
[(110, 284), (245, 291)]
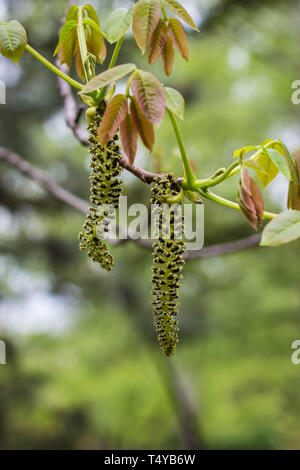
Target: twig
[(82, 206)]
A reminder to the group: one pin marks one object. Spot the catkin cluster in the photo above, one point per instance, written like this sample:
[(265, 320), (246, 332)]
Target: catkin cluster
[(105, 189), (167, 265)]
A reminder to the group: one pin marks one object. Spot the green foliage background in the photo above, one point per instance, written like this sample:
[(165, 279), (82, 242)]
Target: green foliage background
[(88, 372)]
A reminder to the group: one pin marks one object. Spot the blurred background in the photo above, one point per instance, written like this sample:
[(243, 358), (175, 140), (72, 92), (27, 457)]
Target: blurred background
[(83, 366)]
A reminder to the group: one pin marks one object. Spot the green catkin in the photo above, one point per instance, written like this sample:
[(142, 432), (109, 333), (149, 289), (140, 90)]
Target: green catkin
[(168, 264), (105, 189)]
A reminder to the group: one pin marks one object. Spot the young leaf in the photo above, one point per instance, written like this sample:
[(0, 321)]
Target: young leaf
[(283, 229), (146, 14), (157, 41), (68, 49), (114, 114), (79, 67), (168, 56), (294, 189), (95, 26), (64, 33), (270, 171), (145, 128), (13, 40), (149, 94), (280, 162), (91, 13), (118, 24), (72, 13), (96, 45), (179, 37), (175, 102), (107, 77), (180, 11), (240, 153), (129, 137), (250, 199)]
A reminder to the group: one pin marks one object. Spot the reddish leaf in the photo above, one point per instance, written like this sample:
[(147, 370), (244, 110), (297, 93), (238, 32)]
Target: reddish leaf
[(180, 11), (168, 56), (79, 67), (179, 37), (146, 15), (68, 49), (250, 200), (158, 41), (145, 128), (129, 137), (114, 114), (149, 94)]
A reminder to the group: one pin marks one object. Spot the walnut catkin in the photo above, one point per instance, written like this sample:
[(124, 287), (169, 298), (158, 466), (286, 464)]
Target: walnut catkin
[(106, 189), (167, 267)]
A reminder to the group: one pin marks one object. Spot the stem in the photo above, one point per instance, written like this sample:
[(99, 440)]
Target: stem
[(53, 69), (112, 64), (228, 203), (82, 44), (164, 13), (190, 177)]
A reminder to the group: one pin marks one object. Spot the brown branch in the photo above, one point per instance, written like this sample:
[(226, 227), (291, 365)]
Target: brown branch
[(82, 206)]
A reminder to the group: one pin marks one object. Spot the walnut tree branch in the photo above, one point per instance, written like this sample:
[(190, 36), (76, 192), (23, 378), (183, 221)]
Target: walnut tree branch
[(82, 206)]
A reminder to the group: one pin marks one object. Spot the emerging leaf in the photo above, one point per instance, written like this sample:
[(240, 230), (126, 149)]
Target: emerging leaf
[(66, 30), (270, 171), (107, 77), (294, 188), (96, 45), (145, 128), (13, 40), (179, 37), (240, 153), (180, 11), (168, 56), (118, 24), (146, 14), (283, 229), (114, 114), (90, 10), (250, 199), (149, 94), (280, 162), (129, 137), (72, 13), (175, 102), (158, 41)]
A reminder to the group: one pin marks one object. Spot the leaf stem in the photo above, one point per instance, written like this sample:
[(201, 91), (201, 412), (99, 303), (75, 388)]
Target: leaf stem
[(53, 69), (163, 10), (189, 175), (226, 202), (82, 45), (112, 64)]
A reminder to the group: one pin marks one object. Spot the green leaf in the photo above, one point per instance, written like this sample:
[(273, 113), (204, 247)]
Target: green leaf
[(241, 152), (72, 13), (13, 40), (270, 171), (93, 25), (149, 94), (146, 14), (118, 24), (175, 102), (283, 229), (180, 11), (91, 13), (280, 162), (64, 34), (107, 77)]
